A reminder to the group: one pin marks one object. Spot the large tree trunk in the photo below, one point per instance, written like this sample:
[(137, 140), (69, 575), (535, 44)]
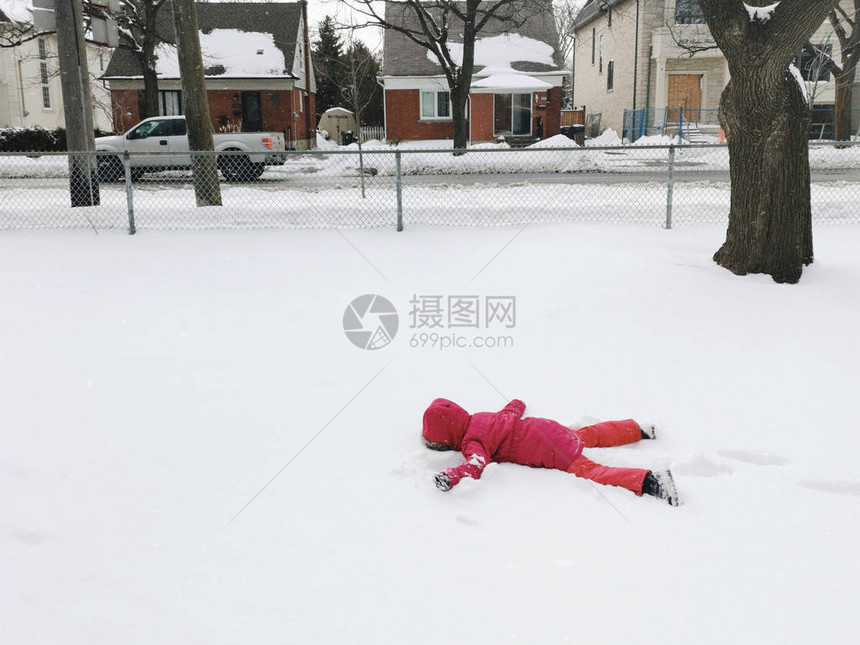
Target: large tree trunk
[(203, 167), (459, 101), (766, 117), (844, 95), (147, 103), (770, 221), (148, 99)]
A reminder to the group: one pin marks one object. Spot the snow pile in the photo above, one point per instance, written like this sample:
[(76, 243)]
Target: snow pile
[(219, 464), (761, 14), (324, 142), (800, 82), (656, 140), (609, 137), (557, 141)]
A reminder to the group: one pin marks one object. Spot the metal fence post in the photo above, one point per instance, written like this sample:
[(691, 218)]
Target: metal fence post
[(670, 184), (399, 191), (126, 164)]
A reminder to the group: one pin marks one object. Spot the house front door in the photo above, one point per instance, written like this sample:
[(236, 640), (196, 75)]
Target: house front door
[(252, 113), (685, 92), (512, 114)]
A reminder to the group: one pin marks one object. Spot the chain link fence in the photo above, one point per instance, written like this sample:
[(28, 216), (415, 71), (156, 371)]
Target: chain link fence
[(385, 187)]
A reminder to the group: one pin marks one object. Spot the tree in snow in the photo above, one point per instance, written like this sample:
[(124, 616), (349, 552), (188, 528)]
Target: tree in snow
[(327, 52), (360, 91), (138, 21), (765, 114), (436, 25), (844, 25), (565, 12)]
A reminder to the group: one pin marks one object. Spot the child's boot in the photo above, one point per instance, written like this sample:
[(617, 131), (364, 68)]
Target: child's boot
[(648, 430), (661, 485)]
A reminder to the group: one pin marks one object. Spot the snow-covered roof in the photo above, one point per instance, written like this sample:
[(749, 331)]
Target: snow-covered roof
[(238, 40), (16, 11), (229, 52), (531, 47)]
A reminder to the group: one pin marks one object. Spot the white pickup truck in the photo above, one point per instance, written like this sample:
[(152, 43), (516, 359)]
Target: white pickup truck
[(167, 136)]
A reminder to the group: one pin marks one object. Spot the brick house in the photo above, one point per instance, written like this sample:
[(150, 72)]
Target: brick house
[(626, 56), (256, 59), (515, 92)]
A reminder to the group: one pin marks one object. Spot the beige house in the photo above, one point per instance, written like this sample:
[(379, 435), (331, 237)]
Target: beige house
[(30, 94), (629, 55)]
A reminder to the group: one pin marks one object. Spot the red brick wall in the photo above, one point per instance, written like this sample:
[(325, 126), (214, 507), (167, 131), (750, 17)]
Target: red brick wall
[(403, 119), (403, 122), (482, 117), (125, 110), (225, 110)]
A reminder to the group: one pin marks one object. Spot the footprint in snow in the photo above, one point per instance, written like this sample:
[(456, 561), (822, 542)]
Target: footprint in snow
[(698, 465), (757, 457), (842, 488)]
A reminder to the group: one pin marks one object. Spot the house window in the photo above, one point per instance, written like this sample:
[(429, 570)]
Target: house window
[(609, 17), (169, 102), (593, 43), (811, 67), (301, 103), (276, 99), (435, 105), (43, 74), (600, 63), (610, 75), (688, 12)]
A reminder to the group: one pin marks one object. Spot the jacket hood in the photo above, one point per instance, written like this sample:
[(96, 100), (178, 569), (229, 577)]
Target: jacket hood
[(445, 422)]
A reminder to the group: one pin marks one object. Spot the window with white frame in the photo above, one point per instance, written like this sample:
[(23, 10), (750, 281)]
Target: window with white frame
[(435, 105), (43, 74)]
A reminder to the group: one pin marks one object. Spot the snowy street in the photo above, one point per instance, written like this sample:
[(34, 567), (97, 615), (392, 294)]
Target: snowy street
[(194, 451)]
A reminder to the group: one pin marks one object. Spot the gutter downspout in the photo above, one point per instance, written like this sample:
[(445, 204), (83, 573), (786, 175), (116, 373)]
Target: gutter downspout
[(307, 103), (384, 107), (636, 56), (648, 80)]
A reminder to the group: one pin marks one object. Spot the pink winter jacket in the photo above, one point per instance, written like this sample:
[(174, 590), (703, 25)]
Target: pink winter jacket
[(499, 436)]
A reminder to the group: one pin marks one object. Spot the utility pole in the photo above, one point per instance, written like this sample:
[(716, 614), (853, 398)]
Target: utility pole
[(204, 166), (77, 103)]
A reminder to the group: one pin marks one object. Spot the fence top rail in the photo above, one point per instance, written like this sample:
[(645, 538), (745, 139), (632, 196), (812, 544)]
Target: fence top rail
[(411, 151)]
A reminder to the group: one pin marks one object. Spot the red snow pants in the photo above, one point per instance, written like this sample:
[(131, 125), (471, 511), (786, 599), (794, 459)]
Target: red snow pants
[(604, 435)]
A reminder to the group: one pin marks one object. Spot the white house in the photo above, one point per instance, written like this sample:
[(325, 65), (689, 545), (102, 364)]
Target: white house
[(30, 94)]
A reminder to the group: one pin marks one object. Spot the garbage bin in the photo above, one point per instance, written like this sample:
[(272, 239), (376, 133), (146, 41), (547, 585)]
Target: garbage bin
[(578, 134), (567, 131), (346, 137)]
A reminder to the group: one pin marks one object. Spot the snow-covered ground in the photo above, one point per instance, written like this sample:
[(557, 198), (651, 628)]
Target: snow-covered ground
[(155, 385), (556, 154)]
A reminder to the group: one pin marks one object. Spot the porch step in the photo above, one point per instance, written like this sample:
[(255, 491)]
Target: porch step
[(520, 142)]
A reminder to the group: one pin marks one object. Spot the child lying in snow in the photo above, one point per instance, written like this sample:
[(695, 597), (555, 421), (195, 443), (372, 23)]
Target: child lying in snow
[(541, 443)]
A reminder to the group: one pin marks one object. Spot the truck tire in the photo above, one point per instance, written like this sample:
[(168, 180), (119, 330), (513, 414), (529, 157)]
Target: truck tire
[(110, 168), (239, 167)]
